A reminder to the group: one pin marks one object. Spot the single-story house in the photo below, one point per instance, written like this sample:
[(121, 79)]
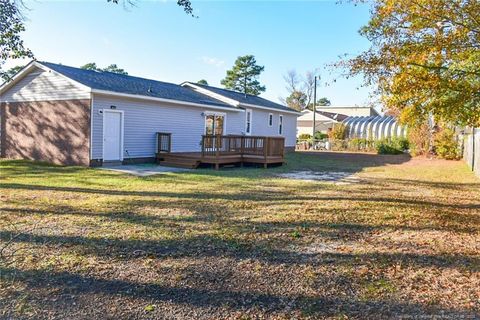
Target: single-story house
[(351, 111), (327, 116), (324, 121), (72, 116)]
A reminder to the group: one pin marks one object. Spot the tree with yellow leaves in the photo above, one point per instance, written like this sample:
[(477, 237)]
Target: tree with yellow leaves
[(424, 59)]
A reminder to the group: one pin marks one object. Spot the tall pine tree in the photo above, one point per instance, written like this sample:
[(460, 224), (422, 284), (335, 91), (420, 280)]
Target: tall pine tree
[(243, 76)]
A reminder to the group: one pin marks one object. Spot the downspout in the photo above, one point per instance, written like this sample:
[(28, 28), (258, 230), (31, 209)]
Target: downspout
[(91, 130), (314, 109)]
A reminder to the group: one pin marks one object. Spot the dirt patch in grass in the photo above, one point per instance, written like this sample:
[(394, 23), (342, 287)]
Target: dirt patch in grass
[(242, 244), (336, 177)]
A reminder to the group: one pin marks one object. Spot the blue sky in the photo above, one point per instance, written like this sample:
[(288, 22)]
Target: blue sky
[(156, 39)]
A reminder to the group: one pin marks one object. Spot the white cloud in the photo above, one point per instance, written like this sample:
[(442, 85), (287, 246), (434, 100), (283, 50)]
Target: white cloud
[(213, 61)]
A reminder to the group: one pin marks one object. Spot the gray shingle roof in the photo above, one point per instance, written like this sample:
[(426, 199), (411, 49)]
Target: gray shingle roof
[(248, 99), (109, 81), (335, 116)]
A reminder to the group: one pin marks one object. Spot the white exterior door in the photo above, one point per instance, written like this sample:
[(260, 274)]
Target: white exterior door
[(112, 135)]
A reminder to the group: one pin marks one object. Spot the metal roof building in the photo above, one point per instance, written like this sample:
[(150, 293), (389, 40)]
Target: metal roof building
[(374, 127)]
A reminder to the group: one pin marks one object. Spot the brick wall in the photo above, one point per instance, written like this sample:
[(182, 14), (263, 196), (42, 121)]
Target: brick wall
[(52, 131)]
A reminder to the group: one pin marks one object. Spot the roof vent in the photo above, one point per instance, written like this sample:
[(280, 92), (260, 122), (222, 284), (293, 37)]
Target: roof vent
[(149, 89)]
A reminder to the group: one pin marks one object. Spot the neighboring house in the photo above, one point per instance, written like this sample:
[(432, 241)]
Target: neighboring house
[(350, 111), (73, 116), (327, 116), (324, 121)]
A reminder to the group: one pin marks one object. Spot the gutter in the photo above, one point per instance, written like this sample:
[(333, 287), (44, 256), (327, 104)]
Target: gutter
[(271, 109), (184, 103)]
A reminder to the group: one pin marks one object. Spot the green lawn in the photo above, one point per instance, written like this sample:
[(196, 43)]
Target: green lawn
[(84, 243)]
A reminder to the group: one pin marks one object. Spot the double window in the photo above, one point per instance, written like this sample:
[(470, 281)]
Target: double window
[(248, 121)]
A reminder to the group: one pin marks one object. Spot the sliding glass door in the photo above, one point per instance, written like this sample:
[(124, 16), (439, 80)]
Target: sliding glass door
[(214, 124)]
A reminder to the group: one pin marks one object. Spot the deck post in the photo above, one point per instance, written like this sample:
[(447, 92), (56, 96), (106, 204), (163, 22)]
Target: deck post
[(266, 142), (217, 147), (169, 143)]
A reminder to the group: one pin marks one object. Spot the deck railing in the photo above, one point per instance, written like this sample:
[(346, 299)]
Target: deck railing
[(164, 142), (220, 145)]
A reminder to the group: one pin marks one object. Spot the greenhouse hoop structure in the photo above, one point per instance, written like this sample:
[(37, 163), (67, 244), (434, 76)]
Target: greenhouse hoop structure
[(374, 128)]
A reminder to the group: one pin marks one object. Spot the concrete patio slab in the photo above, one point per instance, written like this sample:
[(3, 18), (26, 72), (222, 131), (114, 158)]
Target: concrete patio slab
[(143, 170)]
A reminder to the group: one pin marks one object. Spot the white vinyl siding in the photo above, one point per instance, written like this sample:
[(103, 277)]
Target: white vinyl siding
[(40, 85), (260, 125), (142, 119)]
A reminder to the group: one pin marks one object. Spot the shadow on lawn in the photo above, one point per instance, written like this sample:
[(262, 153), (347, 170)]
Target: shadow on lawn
[(207, 208), (75, 285), (212, 207), (245, 195), (203, 208), (315, 161), (215, 248), (239, 249)]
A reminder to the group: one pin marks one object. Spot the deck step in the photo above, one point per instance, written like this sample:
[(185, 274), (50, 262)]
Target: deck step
[(180, 163)]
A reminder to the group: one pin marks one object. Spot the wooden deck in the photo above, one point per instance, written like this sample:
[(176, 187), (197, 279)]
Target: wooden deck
[(220, 150)]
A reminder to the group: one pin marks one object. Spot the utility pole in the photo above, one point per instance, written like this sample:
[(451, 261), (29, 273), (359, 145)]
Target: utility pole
[(314, 107)]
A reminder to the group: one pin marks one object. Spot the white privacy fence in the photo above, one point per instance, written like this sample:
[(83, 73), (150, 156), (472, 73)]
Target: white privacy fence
[(374, 127), (471, 149)]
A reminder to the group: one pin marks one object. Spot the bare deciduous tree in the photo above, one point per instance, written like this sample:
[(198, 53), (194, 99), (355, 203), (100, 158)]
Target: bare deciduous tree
[(309, 85), (293, 79), (300, 88)]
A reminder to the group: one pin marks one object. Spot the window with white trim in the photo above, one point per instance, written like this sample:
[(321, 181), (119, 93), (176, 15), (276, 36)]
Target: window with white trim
[(270, 119), (248, 121), (280, 124)]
